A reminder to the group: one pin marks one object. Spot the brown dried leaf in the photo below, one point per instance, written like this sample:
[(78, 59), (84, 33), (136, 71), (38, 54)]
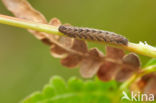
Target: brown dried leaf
[(58, 52), (55, 22), (131, 64), (114, 53), (80, 46), (107, 71), (71, 60), (22, 9), (150, 87), (132, 59), (145, 83), (124, 74), (118, 66), (65, 41), (111, 65), (90, 65)]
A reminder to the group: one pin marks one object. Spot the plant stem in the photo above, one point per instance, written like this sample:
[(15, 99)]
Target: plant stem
[(143, 49), (126, 84), (22, 23), (143, 72)]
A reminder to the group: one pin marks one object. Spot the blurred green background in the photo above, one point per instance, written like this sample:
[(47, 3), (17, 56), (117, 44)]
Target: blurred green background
[(26, 64)]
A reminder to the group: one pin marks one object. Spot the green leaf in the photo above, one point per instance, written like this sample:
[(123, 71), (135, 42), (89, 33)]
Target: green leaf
[(74, 91), (75, 84), (48, 91), (34, 98), (58, 84)]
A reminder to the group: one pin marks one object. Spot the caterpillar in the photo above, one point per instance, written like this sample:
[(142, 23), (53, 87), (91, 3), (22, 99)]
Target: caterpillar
[(93, 34)]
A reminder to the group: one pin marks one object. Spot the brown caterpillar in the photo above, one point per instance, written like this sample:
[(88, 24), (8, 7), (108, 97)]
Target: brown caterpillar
[(93, 34)]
